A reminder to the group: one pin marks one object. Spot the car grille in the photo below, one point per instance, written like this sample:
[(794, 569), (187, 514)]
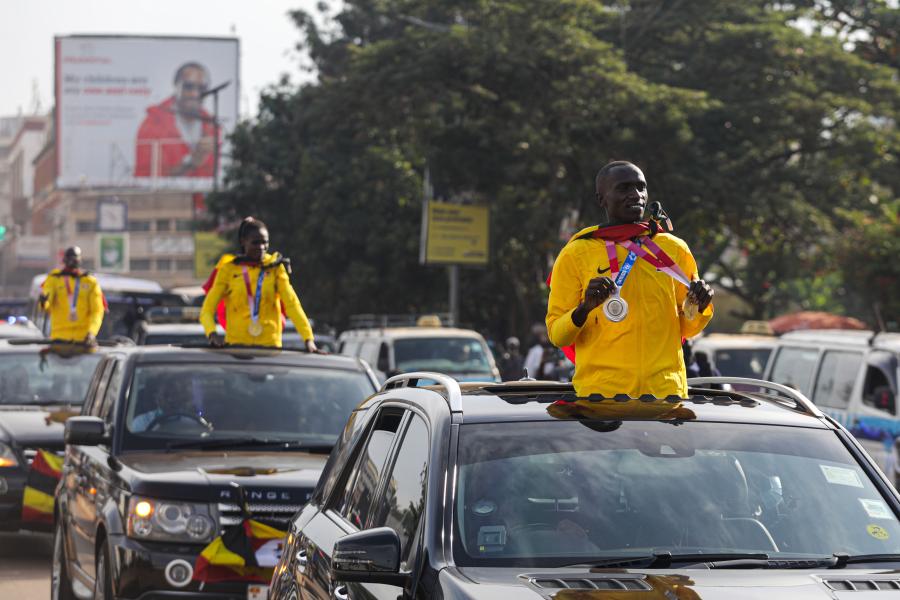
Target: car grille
[(275, 514), (864, 585), (618, 582)]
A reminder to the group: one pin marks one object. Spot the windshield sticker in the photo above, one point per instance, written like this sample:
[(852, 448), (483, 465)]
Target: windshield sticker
[(877, 532), (876, 509), (841, 476)]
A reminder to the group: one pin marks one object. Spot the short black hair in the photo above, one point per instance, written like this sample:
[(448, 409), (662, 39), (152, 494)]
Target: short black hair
[(249, 224), (191, 65), (604, 171)]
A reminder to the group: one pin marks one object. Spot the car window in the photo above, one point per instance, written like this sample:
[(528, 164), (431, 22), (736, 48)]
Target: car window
[(191, 402), (48, 376), (368, 351), (837, 375), (403, 500), (794, 368), (545, 494), (443, 354), (339, 455), (91, 398), (742, 362), (113, 386), (362, 485), (880, 384)]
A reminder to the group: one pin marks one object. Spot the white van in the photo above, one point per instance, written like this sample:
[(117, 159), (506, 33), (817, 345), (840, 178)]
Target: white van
[(736, 354), (461, 353), (852, 376)]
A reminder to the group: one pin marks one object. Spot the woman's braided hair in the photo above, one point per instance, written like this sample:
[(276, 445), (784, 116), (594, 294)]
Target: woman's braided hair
[(247, 225)]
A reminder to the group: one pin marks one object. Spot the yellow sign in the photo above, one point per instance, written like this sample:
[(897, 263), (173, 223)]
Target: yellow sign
[(877, 532), (456, 234), (208, 247)]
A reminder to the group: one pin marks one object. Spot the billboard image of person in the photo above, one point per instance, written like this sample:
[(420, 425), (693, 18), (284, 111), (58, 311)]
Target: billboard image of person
[(137, 112), (177, 137)]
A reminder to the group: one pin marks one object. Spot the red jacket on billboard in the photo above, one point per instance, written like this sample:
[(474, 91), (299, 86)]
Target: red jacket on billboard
[(162, 152)]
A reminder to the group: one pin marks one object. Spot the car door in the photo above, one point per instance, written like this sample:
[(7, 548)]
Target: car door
[(400, 505), (347, 510)]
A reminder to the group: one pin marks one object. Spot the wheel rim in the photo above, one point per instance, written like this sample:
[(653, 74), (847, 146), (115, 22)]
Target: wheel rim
[(100, 581), (56, 568)]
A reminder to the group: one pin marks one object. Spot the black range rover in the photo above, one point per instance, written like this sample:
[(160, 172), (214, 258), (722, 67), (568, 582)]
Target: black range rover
[(173, 444), (41, 385)]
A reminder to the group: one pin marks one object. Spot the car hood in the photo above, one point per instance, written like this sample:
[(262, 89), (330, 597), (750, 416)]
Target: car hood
[(37, 427), (670, 584)]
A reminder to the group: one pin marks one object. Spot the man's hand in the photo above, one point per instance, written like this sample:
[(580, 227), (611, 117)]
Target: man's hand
[(598, 290), (90, 340), (701, 294), (216, 340), (311, 346)]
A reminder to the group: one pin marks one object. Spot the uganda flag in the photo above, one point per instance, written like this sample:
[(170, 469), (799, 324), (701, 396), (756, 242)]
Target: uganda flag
[(247, 552), (40, 489)]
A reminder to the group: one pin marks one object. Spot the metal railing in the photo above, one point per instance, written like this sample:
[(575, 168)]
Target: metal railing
[(450, 385), (803, 403)]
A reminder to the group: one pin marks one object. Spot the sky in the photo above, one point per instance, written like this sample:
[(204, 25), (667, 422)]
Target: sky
[(267, 38)]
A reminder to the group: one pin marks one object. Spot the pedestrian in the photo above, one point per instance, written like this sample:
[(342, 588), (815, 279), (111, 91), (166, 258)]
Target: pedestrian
[(512, 361), (626, 294), (73, 300), (254, 285)]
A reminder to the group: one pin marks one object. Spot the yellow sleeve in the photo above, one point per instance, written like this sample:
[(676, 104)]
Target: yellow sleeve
[(291, 303), (208, 310), (690, 328), (95, 308), (565, 296)]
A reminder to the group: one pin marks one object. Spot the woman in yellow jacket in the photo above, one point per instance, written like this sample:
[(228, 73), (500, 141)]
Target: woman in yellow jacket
[(254, 287), (73, 300)]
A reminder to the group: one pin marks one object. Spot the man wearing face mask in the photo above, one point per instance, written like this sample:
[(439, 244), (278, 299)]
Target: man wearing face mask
[(254, 286), (73, 300), (625, 295)]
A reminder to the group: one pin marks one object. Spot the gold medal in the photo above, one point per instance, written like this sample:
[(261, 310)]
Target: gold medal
[(255, 328), (689, 309)]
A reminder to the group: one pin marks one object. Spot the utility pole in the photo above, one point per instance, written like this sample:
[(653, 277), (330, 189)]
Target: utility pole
[(214, 92)]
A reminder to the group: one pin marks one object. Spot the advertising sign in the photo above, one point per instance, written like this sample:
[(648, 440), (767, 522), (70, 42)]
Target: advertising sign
[(112, 252), (208, 248), (456, 234), (137, 111)]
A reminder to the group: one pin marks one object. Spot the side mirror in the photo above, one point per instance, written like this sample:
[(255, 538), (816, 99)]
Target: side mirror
[(370, 556), (86, 431)]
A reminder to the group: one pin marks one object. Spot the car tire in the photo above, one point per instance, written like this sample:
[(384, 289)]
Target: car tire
[(60, 584), (103, 574)]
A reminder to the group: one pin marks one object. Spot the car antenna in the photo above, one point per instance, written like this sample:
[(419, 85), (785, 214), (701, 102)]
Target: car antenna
[(241, 499), (525, 376), (879, 323)]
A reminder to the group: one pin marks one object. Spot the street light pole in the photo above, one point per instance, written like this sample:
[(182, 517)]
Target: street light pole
[(214, 92)]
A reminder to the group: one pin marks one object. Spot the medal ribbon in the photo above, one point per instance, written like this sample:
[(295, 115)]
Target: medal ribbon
[(619, 276), (252, 301), (73, 297), (662, 261)]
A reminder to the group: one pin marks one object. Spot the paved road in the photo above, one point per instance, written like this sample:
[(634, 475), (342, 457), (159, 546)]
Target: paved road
[(25, 566)]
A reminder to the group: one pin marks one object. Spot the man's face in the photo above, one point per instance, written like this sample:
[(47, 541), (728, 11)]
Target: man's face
[(72, 259), (189, 91), (174, 404), (623, 191)]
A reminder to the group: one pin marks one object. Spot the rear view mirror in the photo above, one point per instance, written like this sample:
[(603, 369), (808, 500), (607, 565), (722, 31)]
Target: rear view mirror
[(370, 556), (85, 431)]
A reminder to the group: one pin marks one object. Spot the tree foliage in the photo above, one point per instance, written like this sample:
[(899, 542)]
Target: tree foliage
[(757, 125)]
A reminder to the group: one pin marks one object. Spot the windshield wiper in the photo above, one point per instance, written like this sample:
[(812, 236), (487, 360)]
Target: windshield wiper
[(847, 559), (663, 560), (210, 443)]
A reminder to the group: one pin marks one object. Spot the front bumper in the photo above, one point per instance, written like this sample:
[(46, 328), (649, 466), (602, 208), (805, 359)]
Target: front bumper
[(139, 572), (11, 500)]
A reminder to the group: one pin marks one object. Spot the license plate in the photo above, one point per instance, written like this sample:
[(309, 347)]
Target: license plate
[(257, 592)]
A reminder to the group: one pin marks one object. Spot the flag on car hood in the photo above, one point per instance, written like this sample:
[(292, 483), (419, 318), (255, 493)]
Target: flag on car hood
[(247, 552), (40, 488)]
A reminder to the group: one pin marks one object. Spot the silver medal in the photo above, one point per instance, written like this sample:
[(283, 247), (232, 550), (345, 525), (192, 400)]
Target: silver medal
[(615, 308)]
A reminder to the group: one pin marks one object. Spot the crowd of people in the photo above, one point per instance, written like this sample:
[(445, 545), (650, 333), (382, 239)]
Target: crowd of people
[(625, 296)]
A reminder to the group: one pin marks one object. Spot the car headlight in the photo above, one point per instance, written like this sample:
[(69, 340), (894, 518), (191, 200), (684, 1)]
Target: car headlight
[(7, 456), (170, 521)]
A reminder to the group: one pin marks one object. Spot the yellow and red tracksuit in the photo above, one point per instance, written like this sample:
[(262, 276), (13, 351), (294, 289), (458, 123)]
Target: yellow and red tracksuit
[(641, 354), (58, 289), (276, 292)]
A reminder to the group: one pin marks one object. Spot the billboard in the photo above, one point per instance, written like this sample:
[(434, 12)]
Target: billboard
[(136, 111), (455, 234)]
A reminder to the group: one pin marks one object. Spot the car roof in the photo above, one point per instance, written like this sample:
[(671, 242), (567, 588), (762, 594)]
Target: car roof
[(843, 337), (551, 401), (715, 341), (174, 328), (410, 332), (205, 354), (36, 345)]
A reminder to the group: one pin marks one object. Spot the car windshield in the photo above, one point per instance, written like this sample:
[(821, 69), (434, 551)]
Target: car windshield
[(208, 404), (46, 377), (442, 354), (744, 362), (555, 493), (174, 338)]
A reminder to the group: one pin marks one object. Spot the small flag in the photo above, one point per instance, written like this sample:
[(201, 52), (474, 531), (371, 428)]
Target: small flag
[(247, 552), (40, 488)]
